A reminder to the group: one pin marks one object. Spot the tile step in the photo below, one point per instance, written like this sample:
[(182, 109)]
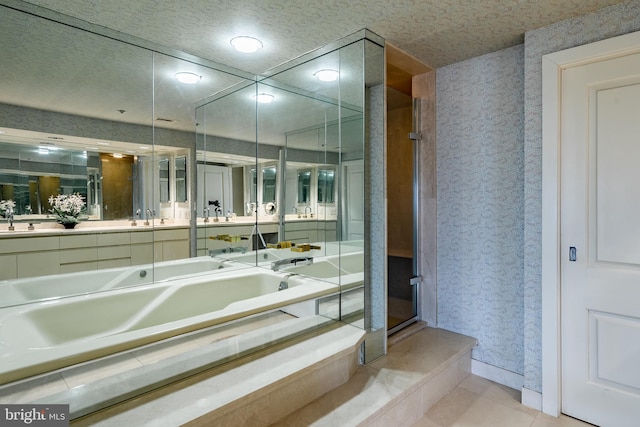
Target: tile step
[(397, 389)]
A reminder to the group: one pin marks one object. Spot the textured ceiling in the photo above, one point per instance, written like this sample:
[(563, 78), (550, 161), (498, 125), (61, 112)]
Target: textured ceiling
[(437, 32), (47, 66)]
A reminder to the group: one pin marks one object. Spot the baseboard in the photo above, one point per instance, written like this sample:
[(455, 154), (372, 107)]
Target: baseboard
[(498, 375), (532, 399)]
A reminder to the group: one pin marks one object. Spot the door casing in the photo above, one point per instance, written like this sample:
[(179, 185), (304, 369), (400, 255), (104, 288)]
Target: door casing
[(552, 67)]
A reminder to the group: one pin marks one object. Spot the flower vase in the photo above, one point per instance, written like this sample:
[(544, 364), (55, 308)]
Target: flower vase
[(69, 225)]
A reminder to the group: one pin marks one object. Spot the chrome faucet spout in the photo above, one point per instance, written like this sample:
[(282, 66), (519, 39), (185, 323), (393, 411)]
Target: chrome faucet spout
[(290, 262), (148, 214), (10, 218)]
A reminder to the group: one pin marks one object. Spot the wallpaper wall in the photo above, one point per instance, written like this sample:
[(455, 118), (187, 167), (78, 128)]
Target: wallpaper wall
[(489, 130), (481, 204), (606, 23)]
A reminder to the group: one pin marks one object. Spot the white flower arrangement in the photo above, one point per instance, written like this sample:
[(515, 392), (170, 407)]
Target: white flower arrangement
[(7, 205), (66, 207)]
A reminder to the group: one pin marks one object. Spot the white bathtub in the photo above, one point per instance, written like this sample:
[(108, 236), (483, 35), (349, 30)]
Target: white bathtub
[(42, 336), (21, 291)]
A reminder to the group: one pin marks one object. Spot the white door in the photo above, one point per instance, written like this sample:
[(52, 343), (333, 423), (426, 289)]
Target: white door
[(354, 201), (214, 184), (600, 218)]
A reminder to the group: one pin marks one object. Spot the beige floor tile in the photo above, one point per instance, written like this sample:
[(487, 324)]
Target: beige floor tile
[(425, 422), (487, 413), (476, 384), (508, 397), (451, 407), (544, 420)]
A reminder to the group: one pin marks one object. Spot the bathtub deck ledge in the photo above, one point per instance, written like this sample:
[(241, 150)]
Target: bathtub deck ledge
[(258, 389)]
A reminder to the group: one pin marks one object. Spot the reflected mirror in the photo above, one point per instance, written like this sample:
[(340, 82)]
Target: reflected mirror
[(304, 186), (163, 180), (326, 189), (181, 179)]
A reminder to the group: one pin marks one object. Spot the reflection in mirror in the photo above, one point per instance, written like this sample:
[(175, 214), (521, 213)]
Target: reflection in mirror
[(304, 186), (163, 180), (326, 190), (268, 184), (181, 179), (131, 156), (253, 188)]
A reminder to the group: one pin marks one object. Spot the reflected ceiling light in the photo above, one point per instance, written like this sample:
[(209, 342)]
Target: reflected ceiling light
[(103, 143), (246, 44), (264, 98), (327, 75), (117, 155), (42, 150), (187, 78)]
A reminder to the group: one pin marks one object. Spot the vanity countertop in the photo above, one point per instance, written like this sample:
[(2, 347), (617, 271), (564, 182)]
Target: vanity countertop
[(52, 229)]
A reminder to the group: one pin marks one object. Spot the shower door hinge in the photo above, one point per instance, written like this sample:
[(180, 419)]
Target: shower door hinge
[(415, 136), (416, 280)]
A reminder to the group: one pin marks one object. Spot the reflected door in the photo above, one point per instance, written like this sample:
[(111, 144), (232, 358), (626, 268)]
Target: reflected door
[(402, 294), (215, 185)]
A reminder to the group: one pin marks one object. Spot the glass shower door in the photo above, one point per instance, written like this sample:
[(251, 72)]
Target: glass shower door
[(402, 209)]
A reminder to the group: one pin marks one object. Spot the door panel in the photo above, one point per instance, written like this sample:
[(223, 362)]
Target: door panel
[(354, 175), (600, 217)]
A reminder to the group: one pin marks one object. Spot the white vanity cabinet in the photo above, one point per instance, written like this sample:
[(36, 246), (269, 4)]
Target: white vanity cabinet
[(31, 254)]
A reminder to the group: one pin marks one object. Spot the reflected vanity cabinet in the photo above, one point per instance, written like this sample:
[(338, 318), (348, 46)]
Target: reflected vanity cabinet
[(310, 231), (207, 235), (43, 254)]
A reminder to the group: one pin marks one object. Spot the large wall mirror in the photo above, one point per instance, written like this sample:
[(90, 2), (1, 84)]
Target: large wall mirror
[(224, 176)]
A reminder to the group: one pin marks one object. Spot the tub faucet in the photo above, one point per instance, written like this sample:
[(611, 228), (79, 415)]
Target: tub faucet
[(290, 262), (284, 283), (10, 219), (205, 214)]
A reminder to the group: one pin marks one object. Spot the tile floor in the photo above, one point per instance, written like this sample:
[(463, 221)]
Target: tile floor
[(477, 402)]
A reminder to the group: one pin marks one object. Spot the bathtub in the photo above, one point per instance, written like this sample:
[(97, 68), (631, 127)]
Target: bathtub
[(42, 336), (22, 291)]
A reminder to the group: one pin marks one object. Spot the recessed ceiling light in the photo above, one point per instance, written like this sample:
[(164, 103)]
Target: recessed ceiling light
[(42, 150), (327, 75), (103, 143), (187, 78), (144, 147), (117, 155), (246, 44), (264, 98)]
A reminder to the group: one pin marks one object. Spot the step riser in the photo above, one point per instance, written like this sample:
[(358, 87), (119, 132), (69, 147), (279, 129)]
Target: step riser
[(286, 396), (410, 408)]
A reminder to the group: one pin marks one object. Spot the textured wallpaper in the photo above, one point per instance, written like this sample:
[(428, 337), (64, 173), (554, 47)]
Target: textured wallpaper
[(480, 160), (606, 23), (490, 190)]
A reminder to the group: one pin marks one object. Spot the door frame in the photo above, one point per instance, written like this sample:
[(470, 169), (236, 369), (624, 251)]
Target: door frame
[(552, 66)]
